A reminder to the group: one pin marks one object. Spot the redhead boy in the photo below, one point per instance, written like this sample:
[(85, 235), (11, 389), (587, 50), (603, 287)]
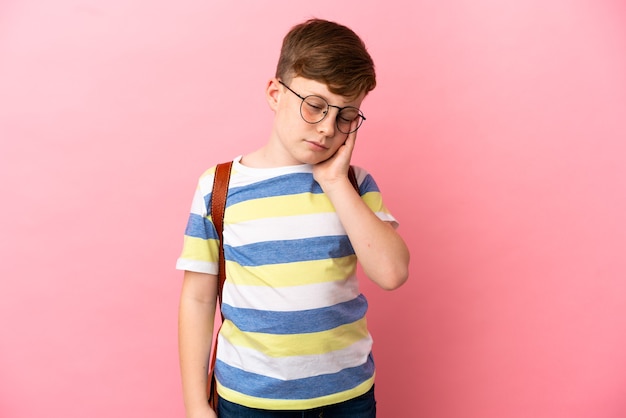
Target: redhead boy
[(294, 341)]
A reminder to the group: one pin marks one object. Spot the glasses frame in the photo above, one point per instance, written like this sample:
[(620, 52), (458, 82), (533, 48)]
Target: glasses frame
[(339, 109)]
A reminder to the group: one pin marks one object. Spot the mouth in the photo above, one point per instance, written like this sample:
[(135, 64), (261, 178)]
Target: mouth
[(316, 145)]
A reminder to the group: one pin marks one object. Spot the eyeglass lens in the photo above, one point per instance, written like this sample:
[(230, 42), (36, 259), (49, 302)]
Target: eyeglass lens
[(315, 108)]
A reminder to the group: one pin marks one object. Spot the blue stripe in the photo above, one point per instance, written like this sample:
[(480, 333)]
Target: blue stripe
[(285, 185), (200, 227), (290, 251), (288, 184), (368, 185), (207, 201), (296, 322), (259, 386)]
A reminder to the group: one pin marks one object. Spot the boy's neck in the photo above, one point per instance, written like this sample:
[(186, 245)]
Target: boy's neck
[(254, 159), (265, 158)]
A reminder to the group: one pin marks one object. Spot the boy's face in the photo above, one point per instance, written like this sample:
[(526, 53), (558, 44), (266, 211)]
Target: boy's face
[(294, 140)]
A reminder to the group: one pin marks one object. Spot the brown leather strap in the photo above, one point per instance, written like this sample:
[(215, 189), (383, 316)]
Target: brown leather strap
[(353, 180), (218, 207)]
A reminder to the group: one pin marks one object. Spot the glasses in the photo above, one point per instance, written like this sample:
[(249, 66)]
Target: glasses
[(314, 109)]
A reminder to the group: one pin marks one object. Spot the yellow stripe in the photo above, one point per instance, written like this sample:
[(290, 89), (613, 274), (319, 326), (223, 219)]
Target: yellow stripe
[(275, 345), (294, 404), (199, 249), (272, 207), (374, 201), (209, 172), (290, 274)]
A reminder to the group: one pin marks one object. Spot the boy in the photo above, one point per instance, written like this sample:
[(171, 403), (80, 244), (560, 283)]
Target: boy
[(294, 341)]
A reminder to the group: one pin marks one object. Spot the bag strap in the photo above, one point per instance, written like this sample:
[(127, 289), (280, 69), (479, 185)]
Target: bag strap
[(218, 206), (353, 180)]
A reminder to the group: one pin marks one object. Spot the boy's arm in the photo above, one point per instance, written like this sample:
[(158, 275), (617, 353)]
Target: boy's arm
[(379, 248), (198, 301), (381, 251)]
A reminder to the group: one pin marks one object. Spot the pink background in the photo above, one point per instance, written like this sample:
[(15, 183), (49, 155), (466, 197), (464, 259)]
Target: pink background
[(497, 134)]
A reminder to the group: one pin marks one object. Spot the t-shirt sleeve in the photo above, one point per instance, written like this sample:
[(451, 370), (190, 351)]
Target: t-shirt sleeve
[(370, 193), (200, 251)]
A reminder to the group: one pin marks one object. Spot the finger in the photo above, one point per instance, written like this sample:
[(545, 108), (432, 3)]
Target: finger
[(350, 142), (353, 133)]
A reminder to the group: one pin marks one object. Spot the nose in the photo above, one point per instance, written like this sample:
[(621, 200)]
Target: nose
[(327, 125)]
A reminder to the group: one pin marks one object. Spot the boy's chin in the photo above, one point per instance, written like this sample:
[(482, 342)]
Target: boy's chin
[(312, 160)]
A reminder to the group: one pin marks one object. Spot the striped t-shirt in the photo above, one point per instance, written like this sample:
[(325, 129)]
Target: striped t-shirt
[(295, 334)]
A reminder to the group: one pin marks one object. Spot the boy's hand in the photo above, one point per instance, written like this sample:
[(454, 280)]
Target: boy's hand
[(335, 169)]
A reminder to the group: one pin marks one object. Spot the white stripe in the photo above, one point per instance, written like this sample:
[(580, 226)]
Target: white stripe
[(198, 206), (206, 181), (295, 367), (196, 266), (386, 217), (293, 298), (283, 228)]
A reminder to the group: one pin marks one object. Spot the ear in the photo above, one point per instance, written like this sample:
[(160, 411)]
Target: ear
[(272, 93)]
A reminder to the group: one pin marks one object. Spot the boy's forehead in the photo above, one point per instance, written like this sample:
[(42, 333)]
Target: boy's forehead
[(309, 86)]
